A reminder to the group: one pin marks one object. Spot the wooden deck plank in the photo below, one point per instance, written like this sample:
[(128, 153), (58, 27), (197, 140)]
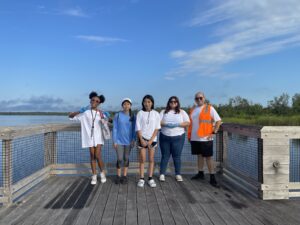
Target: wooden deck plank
[(185, 201), (60, 208), (182, 189), (236, 209), (257, 206), (163, 207), (131, 207), (72, 200), (86, 212), (154, 214), (80, 204), (120, 213), (40, 188), (142, 209), (110, 207), (21, 212), (173, 204), (204, 204), (217, 205), (41, 212), (100, 203)]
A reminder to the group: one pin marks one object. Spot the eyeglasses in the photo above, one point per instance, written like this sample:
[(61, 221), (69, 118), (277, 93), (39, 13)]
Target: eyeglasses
[(173, 102), (199, 98), (94, 100)]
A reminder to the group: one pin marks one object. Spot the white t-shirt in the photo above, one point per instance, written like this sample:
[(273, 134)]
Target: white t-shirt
[(147, 122), (85, 120), (195, 126), (172, 117)]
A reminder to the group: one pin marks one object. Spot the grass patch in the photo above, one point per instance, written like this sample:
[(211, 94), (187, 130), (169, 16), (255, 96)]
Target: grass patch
[(266, 120)]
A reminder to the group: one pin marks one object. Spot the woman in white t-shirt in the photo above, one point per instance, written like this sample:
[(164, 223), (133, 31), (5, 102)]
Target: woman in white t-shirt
[(91, 134), (174, 120), (147, 126)]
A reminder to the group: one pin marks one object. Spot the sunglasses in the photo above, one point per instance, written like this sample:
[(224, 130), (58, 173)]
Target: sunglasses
[(199, 98), (173, 102), (94, 100)]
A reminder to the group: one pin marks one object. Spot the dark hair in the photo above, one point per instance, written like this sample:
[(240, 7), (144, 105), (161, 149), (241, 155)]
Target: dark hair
[(94, 94), (168, 108), (151, 99)]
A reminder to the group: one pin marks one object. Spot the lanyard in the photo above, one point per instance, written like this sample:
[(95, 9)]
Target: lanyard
[(148, 119), (93, 122)]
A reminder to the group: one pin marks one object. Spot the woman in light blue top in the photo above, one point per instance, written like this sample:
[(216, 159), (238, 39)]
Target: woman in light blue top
[(123, 138)]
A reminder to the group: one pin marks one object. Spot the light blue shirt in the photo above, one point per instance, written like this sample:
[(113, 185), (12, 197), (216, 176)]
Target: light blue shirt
[(123, 129)]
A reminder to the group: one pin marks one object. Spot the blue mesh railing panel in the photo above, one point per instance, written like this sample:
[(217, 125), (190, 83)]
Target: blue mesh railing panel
[(242, 155), (27, 156), (1, 165), (295, 160)]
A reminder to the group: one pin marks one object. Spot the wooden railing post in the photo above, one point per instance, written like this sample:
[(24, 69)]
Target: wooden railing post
[(275, 163), (7, 171), (225, 148), (50, 157)]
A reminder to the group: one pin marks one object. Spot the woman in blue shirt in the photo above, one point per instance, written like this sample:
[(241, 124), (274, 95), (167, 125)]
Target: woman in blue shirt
[(123, 138)]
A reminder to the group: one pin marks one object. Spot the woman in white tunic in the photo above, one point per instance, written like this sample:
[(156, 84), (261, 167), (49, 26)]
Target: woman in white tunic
[(91, 134)]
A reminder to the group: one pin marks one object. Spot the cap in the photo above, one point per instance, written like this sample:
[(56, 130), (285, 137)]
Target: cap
[(126, 100)]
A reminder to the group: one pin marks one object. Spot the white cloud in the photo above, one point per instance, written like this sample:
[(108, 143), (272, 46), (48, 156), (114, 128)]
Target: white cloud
[(77, 12), (245, 29), (100, 39)]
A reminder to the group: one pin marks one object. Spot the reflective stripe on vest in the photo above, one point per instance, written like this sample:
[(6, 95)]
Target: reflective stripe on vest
[(205, 122)]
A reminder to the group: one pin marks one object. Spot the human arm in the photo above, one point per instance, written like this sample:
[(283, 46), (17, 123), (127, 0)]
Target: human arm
[(115, 131)]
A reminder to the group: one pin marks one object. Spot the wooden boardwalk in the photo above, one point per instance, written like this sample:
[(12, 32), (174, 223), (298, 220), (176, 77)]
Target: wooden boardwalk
[(72, 200)]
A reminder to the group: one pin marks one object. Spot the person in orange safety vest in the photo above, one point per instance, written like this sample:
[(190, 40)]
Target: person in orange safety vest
[(205, 122)]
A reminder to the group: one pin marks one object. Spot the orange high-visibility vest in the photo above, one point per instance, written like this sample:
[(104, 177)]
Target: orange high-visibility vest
[(205, 122)]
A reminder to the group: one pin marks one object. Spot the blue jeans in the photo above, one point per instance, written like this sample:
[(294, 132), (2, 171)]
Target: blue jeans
[(171, 146)]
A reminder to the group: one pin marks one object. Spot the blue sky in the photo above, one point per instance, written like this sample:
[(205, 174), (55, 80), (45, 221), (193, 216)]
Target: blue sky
[(53, 53)]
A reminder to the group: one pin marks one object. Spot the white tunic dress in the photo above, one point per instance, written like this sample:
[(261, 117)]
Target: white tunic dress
[(90, 137)]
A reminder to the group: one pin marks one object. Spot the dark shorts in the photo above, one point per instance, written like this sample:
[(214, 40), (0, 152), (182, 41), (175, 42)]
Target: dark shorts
[(153, 145), (204, 148)]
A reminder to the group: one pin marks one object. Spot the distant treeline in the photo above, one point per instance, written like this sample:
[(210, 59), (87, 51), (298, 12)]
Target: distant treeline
[(33, 113), (279, 106), (281, 110)]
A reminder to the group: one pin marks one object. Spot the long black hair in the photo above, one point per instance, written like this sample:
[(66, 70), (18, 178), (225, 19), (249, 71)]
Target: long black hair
[(168, 108), (151, 99), (94, 94)]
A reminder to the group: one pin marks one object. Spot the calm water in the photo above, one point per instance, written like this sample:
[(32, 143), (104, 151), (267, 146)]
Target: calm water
[(31, 120)]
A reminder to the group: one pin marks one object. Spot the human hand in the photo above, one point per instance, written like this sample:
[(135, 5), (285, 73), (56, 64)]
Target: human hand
[(150, 144), (143, 143)]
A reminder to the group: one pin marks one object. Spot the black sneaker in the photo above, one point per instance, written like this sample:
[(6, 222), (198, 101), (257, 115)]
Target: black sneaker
[(213, 181), (124, 180), (118, 180), (199, 175)]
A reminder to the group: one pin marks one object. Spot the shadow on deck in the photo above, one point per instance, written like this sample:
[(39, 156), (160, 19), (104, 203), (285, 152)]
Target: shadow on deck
[(72, 200)]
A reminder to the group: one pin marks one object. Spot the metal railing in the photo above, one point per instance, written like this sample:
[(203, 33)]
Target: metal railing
[(263, 160)]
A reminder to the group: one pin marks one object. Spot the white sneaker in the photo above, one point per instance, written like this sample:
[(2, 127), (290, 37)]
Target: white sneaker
[(94, 180), (152, 183), (162, 177), (102, 177), (179, 178), (141, 183)]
